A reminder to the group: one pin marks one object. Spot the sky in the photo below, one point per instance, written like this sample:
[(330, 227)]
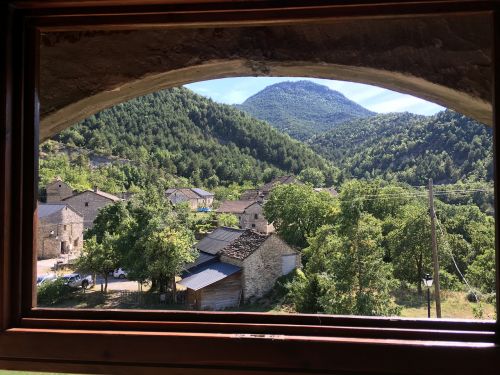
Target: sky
[(237, 90)]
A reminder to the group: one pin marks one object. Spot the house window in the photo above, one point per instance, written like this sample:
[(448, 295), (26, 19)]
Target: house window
[(65, 227), (86, 204), (253, 225), (75, 242), (256, 216)]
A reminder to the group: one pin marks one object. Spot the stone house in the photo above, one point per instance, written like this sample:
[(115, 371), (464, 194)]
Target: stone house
[(263, 259), (59, 230), (261, 194), (250, 215), (235, 265), (197, 198), (58, 190), (89, 202)]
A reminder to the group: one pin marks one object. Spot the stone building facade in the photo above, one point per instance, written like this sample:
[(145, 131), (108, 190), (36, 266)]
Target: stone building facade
[(59, 231), (263, 259), (58, 190), (250, 215), (196, 197), (89, 202), (253, 218)]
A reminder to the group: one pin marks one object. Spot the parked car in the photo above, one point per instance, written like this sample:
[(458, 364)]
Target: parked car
[(119, 273), (204, 209), (45, 278), (75, 280)]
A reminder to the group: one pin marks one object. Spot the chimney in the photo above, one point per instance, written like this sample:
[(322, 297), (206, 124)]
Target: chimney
[(95, 188)]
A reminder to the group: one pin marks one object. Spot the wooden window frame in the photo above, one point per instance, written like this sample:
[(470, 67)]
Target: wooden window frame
[(102, 341)]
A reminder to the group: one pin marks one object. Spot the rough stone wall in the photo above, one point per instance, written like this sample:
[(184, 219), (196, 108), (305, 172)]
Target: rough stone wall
[(263, 267), (57, 191), (445, 59), (253, 218), (66, 226), (95, 203)]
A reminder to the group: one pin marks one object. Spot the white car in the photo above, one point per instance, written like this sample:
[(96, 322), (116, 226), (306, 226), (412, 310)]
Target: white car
[(119, 273), (75, 280), (45, 278)]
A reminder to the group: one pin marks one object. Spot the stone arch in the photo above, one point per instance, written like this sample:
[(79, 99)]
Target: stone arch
[(443, 60)]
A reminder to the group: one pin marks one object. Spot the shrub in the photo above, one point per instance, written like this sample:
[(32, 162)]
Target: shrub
[(449, 281), (51, 293)]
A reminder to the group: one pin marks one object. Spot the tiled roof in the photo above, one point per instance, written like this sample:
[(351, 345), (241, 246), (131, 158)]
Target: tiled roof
[(46, 209), (191, 193), (114, 198), (245, 245), (109, 196), (290, 179), (208, 275), (250, 195), (235, 207), (218, 239)]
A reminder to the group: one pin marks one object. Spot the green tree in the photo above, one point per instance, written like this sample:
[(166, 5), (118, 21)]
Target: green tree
[(228, 220), (312, 176), (410, 244), (346, 270), (297, 211), (99, 257), (481, 273)]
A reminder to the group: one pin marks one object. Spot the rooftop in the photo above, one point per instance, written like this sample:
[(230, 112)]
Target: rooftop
[(235, 207), (109, 196), (47, 209), (289, 179), (245, 245), (218, 239), (208, 275)]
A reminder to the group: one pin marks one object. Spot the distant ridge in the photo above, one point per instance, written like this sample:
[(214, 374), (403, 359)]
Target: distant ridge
[(303, 108)]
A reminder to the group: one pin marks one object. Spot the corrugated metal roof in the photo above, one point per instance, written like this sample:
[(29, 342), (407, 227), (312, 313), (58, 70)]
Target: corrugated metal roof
[(218, 239), (202, 193), (208, 275), (202, 258), (46, 209)]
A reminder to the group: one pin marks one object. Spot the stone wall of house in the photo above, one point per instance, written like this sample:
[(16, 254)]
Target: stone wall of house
[(253, 218), (263, 267), (57, 191), (88, 204), (60, 233)]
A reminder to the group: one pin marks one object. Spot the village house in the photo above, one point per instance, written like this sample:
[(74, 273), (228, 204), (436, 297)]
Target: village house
[(59, 230), (250, 215), (58, 190), (263, 259), (197, 198), (262, 193), (236, 265), (89, 202)]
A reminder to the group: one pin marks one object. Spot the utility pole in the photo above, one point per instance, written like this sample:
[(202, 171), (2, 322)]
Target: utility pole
[(435, 258)]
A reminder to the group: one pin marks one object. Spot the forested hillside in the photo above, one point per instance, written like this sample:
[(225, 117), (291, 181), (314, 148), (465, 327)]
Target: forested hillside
[(447, 147), (302, 109), (176, 132)]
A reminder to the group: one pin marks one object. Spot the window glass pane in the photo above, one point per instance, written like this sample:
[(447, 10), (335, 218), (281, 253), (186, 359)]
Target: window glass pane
[(291, 193)]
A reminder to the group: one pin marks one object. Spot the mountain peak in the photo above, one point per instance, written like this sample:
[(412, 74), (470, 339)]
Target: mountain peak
[(302, 108)]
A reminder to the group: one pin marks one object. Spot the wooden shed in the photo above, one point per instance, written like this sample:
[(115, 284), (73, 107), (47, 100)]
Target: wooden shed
[(214, 286)]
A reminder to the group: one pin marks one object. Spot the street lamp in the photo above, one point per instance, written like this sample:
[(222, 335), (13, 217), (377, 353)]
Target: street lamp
[(427, 280)]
